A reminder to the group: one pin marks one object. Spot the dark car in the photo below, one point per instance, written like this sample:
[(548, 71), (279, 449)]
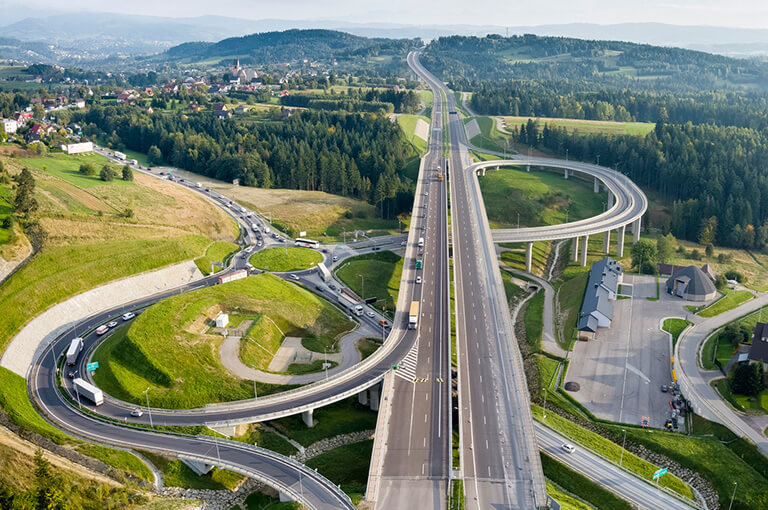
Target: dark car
[(664, 388)]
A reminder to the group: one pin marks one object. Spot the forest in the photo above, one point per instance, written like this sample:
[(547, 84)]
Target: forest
[(714, 176), (359, 100), (571, 100), (360, 156)]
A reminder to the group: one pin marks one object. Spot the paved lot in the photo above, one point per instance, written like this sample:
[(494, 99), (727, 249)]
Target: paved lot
[(621, 371)]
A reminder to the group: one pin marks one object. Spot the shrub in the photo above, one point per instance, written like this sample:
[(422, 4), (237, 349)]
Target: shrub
[(107, 174), (87, 169), (127, 173), (732, 274), (709, 250)]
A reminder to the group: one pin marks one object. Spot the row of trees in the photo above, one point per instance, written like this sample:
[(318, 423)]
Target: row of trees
[(713, 175), (354, 155), (583, 101), (107, 173)]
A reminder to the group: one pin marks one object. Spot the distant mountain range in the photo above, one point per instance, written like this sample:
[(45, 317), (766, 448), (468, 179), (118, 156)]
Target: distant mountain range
[(79, 37)]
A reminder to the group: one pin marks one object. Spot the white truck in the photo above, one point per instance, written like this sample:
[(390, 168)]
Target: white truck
[(350, 303), (413, 315), (266, 230), (421, 242), (237, 275), (89, 391), (325, 274), (133, 162), (119, 155), (75, 346)]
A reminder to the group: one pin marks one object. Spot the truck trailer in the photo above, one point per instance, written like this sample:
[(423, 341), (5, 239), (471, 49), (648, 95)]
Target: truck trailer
[(89, 391), (413, 315), (75, 346), (119, 155), (325, 274), (237, 275)]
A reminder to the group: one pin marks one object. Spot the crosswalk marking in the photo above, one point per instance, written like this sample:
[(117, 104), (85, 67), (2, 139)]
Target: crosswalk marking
[(406, 369)]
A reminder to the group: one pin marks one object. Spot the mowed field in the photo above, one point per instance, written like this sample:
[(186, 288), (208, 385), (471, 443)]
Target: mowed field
[(539, 197), (585, 126), (379, 272), (168, 347), (407, 125)]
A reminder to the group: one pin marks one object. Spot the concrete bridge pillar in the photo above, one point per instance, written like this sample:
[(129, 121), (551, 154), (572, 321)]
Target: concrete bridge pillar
[(575, 249), (375, 396), (306, 417), (585, 242), (528, 256), (620, 241), (362, 398), (636, 231), (607, 241), (565, 173), (200, 468), (497, 168), (596, 187), (284, 497)]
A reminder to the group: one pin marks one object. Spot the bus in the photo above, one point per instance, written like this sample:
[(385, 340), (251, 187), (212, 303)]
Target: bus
[(307, 243)]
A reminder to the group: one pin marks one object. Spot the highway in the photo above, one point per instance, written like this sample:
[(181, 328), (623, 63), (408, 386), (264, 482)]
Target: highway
[(416, 463), (500, 459)]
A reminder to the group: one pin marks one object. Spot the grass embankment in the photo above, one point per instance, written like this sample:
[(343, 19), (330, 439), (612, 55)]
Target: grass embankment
[(756, 405), (6, 209), (346, 466), (380, 272), (581, 486), (15, 402), (714, 348), (261, 501), (538, 197), (286, 258), (610, 451), (533, 320), (168, 350), (261, 343), (585, 126), (566, 500), (674, 327), (408, 124), (178, 474), (341, 417), (257, 435), (491, 138), (218, 251), (516, 257), (367, 346), (729, 301)]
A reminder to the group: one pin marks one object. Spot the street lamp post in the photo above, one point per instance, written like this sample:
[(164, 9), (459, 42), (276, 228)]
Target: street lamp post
[(621, 460), (362, 280), (544, 412), (735, 484), (149, 410)]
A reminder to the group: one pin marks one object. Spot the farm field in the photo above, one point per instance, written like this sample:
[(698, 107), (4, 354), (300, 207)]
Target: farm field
[(585, 126)]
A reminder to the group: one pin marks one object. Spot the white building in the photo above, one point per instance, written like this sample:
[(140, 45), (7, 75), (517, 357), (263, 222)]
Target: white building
[(222, 320), (10, 126)]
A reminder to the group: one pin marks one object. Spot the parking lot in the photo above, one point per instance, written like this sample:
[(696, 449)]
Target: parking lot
[(621, 371)]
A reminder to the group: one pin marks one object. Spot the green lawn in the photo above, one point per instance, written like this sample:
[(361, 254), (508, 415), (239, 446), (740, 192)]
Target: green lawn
[(566, 500), (729, 301), (367, 346), (379, 272), (67, 168), (714, 348), (750, 405), (581, 486), (218, 251), (570, 295), (587, 126), (538, 197), (347, 466), (58, 273), (286, 258), (491, 138), (266, 439), (178, 474), (547, 369), (407, 124), (610, 450), (511, 289), (533, 318), (167, 349), (341, 417), (675, 327), (260, 344)]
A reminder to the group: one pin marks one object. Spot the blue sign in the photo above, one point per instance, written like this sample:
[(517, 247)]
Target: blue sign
[(92, 366), (659, 473)]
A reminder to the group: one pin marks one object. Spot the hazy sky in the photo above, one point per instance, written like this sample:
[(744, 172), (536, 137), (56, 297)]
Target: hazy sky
[(735, 13)]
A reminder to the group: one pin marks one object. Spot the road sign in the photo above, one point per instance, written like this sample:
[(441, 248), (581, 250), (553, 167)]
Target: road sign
[(92, 366), (659, 473), (394, 367)]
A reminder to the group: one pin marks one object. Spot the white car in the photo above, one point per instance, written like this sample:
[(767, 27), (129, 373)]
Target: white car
[(112, 324), (102, 329), (418, 279), (295, 277), (137, 413), (370, 314), (335, 258), (128, 316), (568, 448), (249, 249)]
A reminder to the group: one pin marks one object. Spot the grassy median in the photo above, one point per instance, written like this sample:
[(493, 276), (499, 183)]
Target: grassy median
[(286, 258)]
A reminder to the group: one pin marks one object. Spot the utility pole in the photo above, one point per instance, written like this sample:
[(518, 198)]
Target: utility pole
[(149, 410), (621, 460), (544, 412), (362, 279)]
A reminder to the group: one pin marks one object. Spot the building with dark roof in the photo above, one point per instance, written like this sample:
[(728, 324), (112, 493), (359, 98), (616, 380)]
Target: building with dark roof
[(602, 288), (759, 350), (692, 284)]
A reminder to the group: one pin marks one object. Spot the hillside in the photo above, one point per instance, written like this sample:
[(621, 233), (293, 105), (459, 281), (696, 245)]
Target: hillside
[(637, 66)]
